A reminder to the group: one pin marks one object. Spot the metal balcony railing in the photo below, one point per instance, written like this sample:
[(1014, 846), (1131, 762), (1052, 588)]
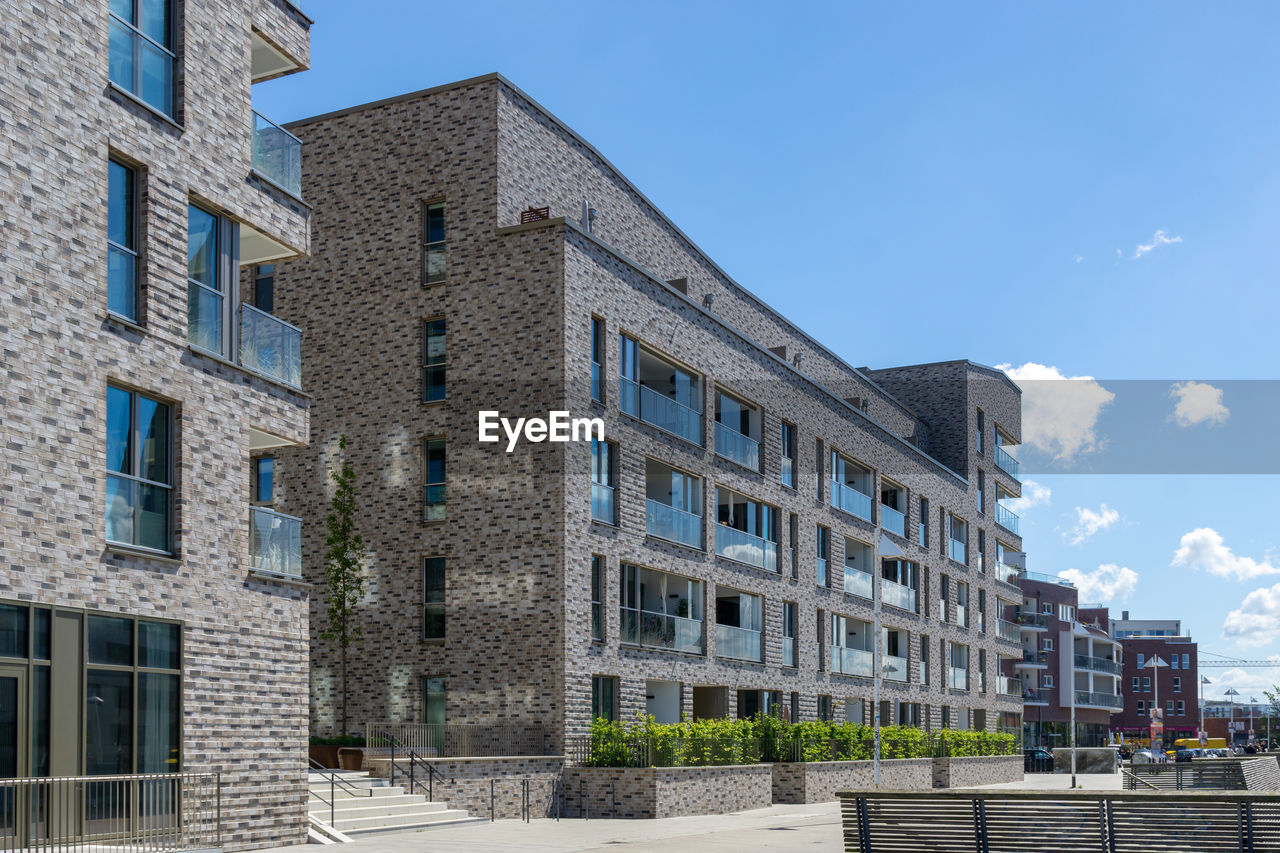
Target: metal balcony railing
[(850, 500), (672, 524), (1033, 620), (1035, 658), (277, 155), (270, 346), (737, 447), (1006, 518), (1036, 695), (1099, 700), (746, 548), (893, 521), (275, 542)]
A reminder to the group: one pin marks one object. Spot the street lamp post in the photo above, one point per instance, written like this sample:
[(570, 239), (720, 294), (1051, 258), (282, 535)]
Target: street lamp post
[(1155, 663), (1231, 739), (1203, 733), (1252, 702)]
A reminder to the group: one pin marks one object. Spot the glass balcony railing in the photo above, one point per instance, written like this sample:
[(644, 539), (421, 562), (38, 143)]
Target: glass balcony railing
[(851, 661), (1006, 518), (745, 548), (737, 643), (1008, 631), (1035, 658), (735, 446), (893, 521), (1009, 686), (1093, 664), (922, 672), (660, 631), (1008, 574), (850, 500), (277, 155), (1006, 462), (275, 542), (893, 668), (602, 503), (1033, 621), (270, 346), (661, 411), (858, 583), (788, 651), (958, 678), (897, 595), (957, 550), (1036, 695), (1099, 700), (674, 525)]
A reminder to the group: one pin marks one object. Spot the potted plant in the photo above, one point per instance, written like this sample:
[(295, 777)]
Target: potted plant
[(337, 752)]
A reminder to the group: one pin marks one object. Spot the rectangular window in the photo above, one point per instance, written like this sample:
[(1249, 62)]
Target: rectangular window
[(139, 470), (944, 589), (982, 551), (122, 240), (603, 505), (264, 480), (1142, 706), (793, 536), (1168, 708), (958, 537), (433, 479), (851, 485), (1048, 644), (652, 388), (924, 660), (264, 288), (597, 598), (1186, 661), (1146, 684), (660, 610), (824, 553), (739, 625), (788, 455), (141, 50), (958, 655), (1135, 685), (1048, 681), (211, 248), (673, 504), (946, 716), (1142, 659), (433, 712), (790, 614), (981, 620), (433, 351), (1173, 662), (1177, 685), (980, 432), (826, 711), (982, 488), (1182, 708), (597, 359), (982, 670), (747, 530), (433, 598), (922, 525), (604, 698), (962, 604), (433, 243), (818, 464)]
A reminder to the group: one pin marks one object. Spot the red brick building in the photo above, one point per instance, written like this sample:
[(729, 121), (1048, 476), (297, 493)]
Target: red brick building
[(1177, 682)]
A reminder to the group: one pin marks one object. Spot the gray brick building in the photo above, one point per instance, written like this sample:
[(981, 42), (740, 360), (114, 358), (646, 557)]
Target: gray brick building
[(718, 553), (150, 619)]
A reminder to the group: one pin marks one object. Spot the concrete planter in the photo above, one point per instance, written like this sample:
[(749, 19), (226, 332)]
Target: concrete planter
[(657, 792), (326, 755)]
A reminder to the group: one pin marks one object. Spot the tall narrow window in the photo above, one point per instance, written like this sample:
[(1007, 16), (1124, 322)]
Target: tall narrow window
[(603, 506), (141, 50), (793, 536), (982, 550), (433, 243), (264, 480), (597, 598), (923, 524), (924, 660), (981, 619), (264, 288), (597, 359), (210, 258), (818, 466), (824, 553), (790, 613), (122, 240), (788, 455), (139, 470), (982, 490), (433, 360), (980, 432), (433, 477), (433, 712), (604, 698), (433, 598)]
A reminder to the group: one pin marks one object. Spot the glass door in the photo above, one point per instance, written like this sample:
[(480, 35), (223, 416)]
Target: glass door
[(13, 751)]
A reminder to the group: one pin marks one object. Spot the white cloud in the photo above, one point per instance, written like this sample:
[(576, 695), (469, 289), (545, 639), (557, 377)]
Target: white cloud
[(1158, 239), (1257, 621), (1103, 584), (1249, 684), (1078, 258), (1059, 412), (1197, 403), (1089, 523), (1203, 549), (1033, 494)]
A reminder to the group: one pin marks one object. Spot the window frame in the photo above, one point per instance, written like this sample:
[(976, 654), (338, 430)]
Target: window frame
[(428, 693), (135, 222), (135, 456), (168, 110), (599, 336), (597, 681), (226, 281), (433, 247), (428, 366), (822, 556), (255, 467), (598, 581), (432, 608), (428, 484), (609, 467), (787, 443)]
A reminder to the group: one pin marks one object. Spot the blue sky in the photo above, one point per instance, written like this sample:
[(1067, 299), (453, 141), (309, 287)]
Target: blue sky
[(1091, 187)]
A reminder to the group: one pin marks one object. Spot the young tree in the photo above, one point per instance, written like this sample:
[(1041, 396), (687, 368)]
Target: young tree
[(343, 569)]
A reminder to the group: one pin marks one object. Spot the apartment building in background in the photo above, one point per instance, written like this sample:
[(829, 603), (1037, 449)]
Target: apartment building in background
[(1068, 658), (150, 618), (1176, 705), (717, 553)]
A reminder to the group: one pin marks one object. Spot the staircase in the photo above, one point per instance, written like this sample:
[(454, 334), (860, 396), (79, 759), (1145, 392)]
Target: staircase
[(364, 805)]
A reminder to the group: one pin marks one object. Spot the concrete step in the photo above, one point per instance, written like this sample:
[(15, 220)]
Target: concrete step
[(358, 794), (350, 777), (389, 807), (399, 823)]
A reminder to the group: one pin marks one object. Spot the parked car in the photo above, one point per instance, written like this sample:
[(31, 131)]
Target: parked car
[(1125, 753), (1183, 755), (1037, 760), (1142, 756)]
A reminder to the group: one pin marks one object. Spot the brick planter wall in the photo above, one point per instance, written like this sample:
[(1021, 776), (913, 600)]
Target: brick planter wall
[(818, 781), (469, 783), (656, 792), (978, 770)]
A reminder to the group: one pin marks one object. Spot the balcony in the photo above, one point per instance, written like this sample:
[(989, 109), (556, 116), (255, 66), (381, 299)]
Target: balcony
[(1006, 518), (858, 583), (1033, 621), (893, 521), (736, 447), (1007, 574), (1006, 462), (674, 525), (897, 595), (1092, 664), (277, 155), (1109, 701), (737, 643), (1007, 630), (1033, 660), (850, 500), (275, 543), (1009, 687), (661, 411), (1036, 695), (788, 651), (602, 503), (851, 661), (660, 631), (957, 550), (958, 678), (894, 668), (270, 346), (743, 547)]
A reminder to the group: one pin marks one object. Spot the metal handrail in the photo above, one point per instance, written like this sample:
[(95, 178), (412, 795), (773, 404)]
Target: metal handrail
[(334, 784), (414, 760), (1132, 781)]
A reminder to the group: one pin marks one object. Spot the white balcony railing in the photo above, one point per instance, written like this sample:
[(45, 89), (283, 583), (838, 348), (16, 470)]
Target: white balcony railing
[(850, 500), (660, 631), (851, 661), (1006, 518), (675, 525), (275, 542), (745, 548), (270, 346), (737, 447), (898, 595), (893, 668), (858, 583), (277, 155), (737, 643), (1093, 664), (893, 521), (660, 410), (1099, 700)]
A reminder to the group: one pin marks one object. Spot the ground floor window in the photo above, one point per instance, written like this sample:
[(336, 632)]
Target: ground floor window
[(604, 698), (825, 711), (433, 700)]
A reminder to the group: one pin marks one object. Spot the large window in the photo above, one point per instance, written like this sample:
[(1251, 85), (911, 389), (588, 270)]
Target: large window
[(141, 50), (660, 610), (747, 530), (139, 470), (433, 598), (603, 504), (739, 623), (122, 240), (604, 697), (673, 504), (433, 360), (655, 390), (433, 479), (210, 243), (433, 267)]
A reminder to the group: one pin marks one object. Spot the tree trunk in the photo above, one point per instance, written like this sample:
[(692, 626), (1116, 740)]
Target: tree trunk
[(344, 688)]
